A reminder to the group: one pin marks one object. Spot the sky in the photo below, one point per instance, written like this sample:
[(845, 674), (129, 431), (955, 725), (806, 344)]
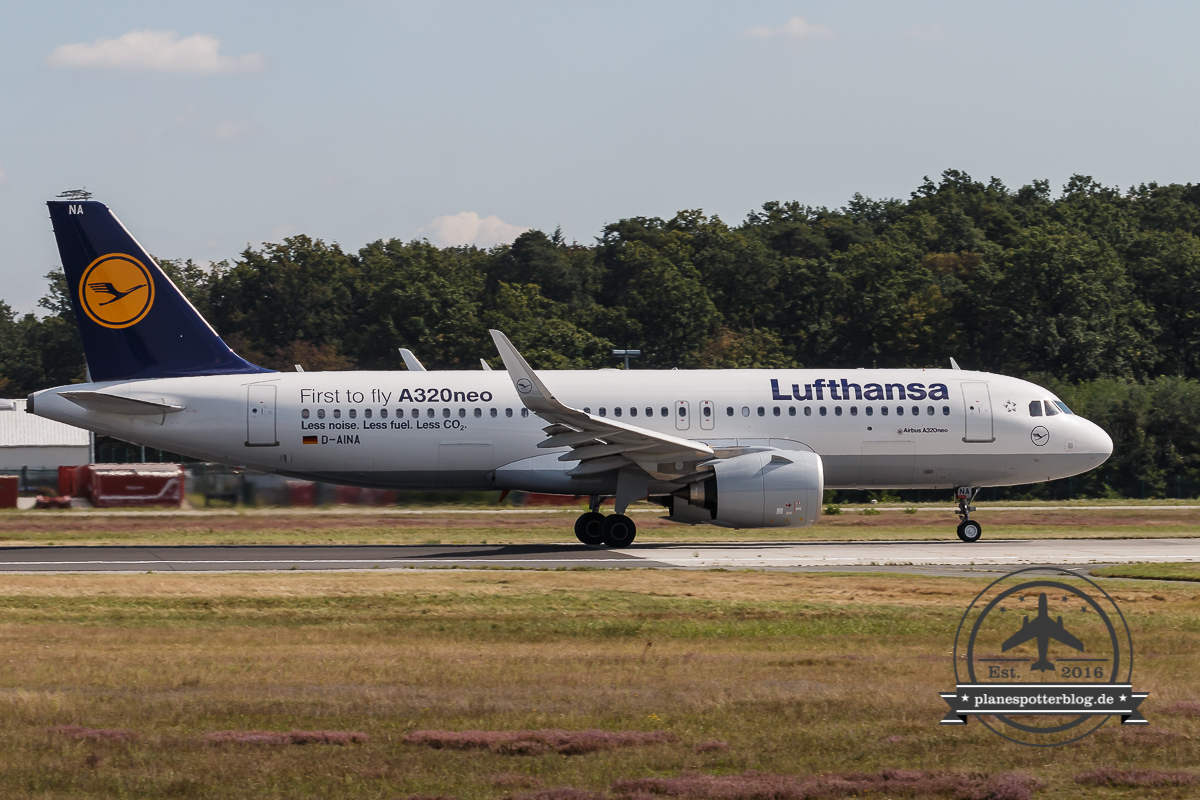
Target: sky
[(212, 127)]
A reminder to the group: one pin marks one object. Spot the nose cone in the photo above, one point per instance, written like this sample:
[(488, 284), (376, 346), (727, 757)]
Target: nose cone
[(1096, 443)]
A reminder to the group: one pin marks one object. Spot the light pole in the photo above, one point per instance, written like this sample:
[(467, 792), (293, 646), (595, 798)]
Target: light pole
[(626, 354)]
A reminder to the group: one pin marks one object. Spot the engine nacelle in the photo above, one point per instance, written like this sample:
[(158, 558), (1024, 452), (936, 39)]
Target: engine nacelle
[(767, 489)]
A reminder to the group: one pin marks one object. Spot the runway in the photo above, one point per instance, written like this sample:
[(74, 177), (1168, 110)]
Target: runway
[(944, 557)]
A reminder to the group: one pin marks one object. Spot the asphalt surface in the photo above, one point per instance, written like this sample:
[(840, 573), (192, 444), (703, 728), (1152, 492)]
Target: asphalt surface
[(931, 557)]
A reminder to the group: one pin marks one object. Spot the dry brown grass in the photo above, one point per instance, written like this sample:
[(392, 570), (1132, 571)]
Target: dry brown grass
[(797, 675)]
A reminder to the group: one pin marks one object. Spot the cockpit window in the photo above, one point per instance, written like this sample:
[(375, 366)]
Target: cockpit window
[(1035, 408), (1063, 406), (1051, 411)]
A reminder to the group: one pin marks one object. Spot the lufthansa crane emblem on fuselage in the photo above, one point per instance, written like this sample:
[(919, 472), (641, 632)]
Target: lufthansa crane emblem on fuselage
[(1039, 436), (524, 386), (116, 291)]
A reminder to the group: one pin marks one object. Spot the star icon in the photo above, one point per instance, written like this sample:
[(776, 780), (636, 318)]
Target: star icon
[(1122, 698), (1010, 406), (966, 697)]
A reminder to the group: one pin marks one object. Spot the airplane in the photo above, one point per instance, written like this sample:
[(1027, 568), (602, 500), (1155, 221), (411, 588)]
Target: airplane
[(750, 448), (1042, 629)]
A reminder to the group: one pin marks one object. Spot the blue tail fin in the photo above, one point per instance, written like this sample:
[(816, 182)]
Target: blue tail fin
[(133, 321)]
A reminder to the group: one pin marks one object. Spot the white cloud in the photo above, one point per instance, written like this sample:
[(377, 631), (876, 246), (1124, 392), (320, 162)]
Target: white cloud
[(794, 28), (467, 227), (154, 51), (232, 130), (927, 33)]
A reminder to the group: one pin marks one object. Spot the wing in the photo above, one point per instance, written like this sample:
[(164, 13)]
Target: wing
[(1060, 633), (597, 443), (1028, 631)]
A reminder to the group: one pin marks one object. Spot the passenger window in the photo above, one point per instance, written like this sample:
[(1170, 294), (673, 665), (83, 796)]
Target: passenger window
[(603, 411), (478, 413), (429, 412), (353, 413), (808, 411), (1035, 408), (524, 412), (762, 412), (462, 412), (916, 411), (837, 410), (399, 413), (445, 412), (870, 411), (587, 409), (708, 411), (745, 411), (883, 410), (775, 411), (617, 411), (508, 412), (929, 411), (854, 411), (823, 412), (945, 411), (664, 412), (1051, 411), (492, 412), (337, 413), (304, 413), (683, 411), (729, 411), (366, 413), (633, 411), (320, 413), (649, 411), (899, 411), (791, 411), (383, 413)]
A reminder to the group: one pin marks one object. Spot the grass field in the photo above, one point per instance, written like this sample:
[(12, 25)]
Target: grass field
[(466, 526), (730, 671)]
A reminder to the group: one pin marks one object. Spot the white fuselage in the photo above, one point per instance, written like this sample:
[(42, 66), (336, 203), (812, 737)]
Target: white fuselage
[(468, 430)]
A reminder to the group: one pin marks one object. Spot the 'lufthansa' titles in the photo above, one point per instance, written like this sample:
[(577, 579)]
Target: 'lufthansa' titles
[(845, 390)]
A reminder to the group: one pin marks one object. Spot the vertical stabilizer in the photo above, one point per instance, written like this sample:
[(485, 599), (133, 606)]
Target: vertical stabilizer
[(133, 320)]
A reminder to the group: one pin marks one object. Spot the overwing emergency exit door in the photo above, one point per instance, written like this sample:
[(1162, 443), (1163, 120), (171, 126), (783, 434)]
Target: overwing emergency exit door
[(260, 415)]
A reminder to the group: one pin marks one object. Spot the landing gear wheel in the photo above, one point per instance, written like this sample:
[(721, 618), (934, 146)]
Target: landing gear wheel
[(618, 530), (969, 530), (587, 528)]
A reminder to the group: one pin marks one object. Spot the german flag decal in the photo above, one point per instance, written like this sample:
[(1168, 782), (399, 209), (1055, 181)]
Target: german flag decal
[(310, 440)]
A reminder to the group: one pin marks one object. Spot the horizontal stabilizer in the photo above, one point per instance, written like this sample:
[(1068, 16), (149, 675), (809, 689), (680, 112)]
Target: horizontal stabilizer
[(113, 404)]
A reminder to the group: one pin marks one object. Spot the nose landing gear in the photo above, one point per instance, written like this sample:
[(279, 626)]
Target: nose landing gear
[(968, 529), (593, 528)]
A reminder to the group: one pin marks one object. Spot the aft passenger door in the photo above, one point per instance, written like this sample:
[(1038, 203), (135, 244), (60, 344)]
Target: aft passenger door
[(977, 404), (260, 415)]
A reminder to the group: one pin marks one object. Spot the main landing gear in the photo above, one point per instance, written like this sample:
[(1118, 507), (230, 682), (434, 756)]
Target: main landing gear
[(593, 528), (968, 529)]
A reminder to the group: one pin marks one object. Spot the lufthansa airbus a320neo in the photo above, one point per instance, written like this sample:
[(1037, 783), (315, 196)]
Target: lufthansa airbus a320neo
[(740, 448)]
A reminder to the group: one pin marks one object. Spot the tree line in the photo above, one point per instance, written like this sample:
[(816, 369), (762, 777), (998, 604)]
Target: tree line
[(1095, 291)]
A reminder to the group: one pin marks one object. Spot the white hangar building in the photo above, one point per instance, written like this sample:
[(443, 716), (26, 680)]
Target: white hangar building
[(36, 443)]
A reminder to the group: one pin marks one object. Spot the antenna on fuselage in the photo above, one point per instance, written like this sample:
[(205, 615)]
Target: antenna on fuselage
[(485, 365)]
